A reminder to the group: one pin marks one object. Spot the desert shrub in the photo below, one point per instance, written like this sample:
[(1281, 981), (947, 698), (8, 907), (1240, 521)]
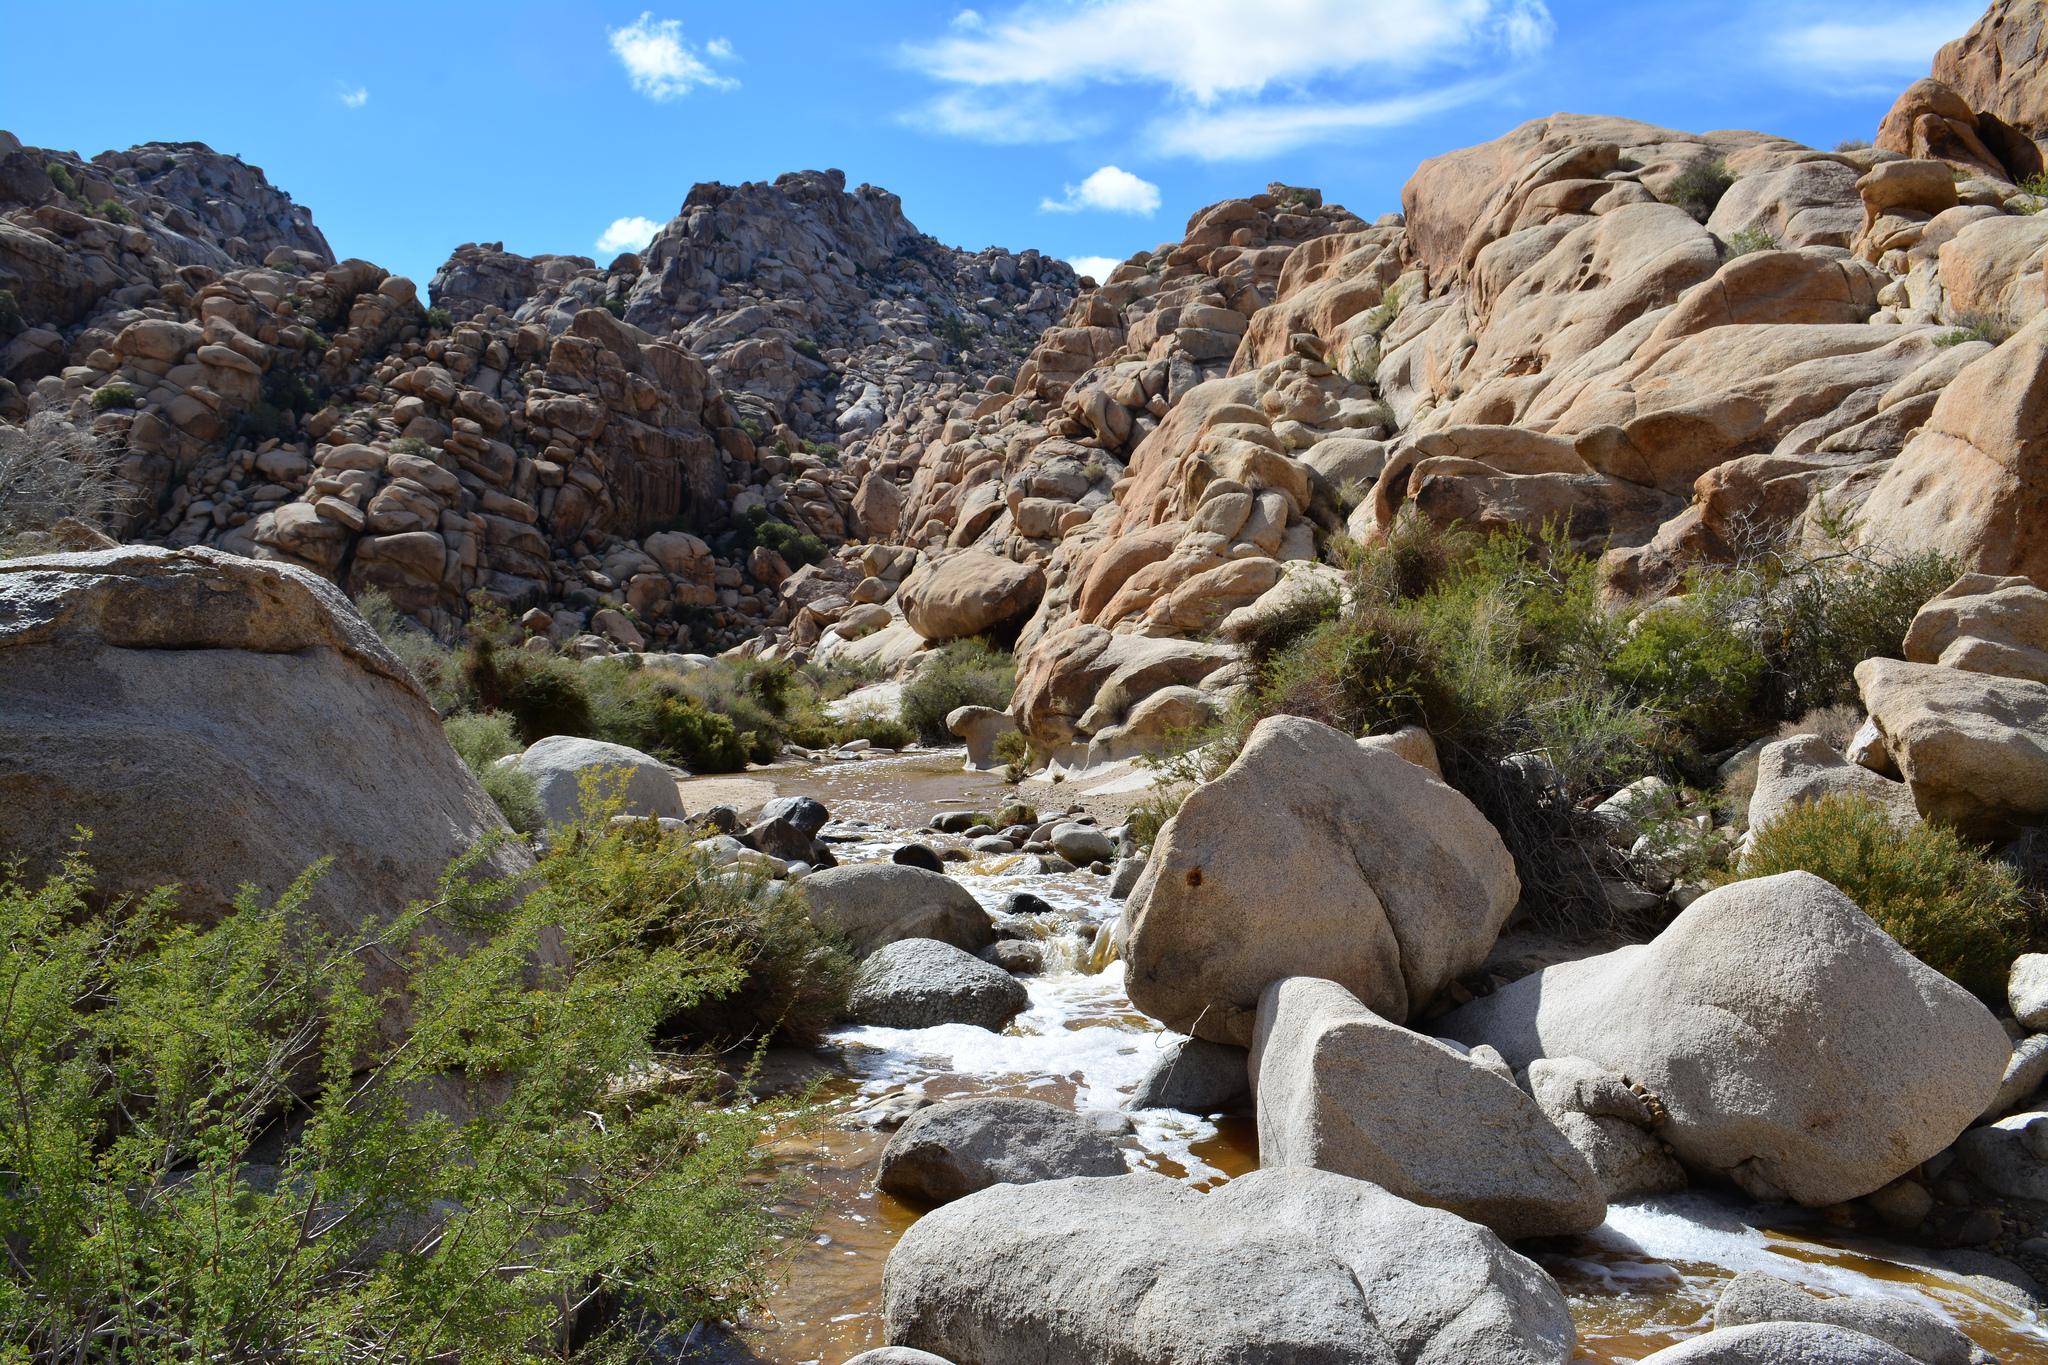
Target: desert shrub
[(963, 673), (480, 740), (1820, 616), (435, 667), (439, 319), (1747, 240), (1992, 327), (884, 732), (1691, 658), (110, 396), (1945, 903), (958, 333), (114, 211), (10, 313), (807, 348), (1852, 144), (1699, 189), (652, 712), (754, 527), (50, 470), (60, 176), (616, 307), (1837, 725), (227, 1160)]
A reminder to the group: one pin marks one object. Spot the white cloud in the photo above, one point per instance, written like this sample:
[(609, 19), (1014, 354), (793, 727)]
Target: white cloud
[(628, 234), (1896, 43), (1004, 119), (1207, 49), (356, 98), (1261, 130), (1098, 266), (660, 65), (1111, 189)]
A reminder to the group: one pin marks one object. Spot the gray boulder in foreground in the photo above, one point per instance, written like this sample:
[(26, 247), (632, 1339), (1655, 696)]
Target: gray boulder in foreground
[(922, 983), (1343, 1090), (1295, 1267), (215, 721), (897, 1355), (1800, 1052), (1780, 1343), (878, 903), (954, 1149), (1754, 1296)]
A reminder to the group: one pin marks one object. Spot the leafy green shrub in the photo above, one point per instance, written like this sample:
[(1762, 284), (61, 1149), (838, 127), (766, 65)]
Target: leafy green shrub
[(963, 673), (60, 176), (10, 313), (1822, 616), (480, 740), (109, 396), (226, 1158), (436, 668), (958, 333), (114, 211), (1690, 659), (1746, 241), (1698, 190), (1946, 904), (412, 445), (1992, 327), (439, 319), (616, 307), (807, 348), (797, 548)]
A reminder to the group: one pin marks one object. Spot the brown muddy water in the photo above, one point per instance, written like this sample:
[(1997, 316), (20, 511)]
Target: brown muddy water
[(1644, 1280)]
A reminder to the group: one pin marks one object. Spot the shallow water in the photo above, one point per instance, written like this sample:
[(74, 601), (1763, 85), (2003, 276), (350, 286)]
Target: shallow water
[(1643, 1280)]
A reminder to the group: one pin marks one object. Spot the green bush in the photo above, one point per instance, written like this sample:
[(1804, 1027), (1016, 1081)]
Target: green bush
[(1821, 616), (1689, 658), (10, 313), (807, 348), (439, 319), (797, 548), (1698, 190), (480, 740), (216, 1153), (616, 307), (60, 176), (1992, 327), (114, 211), (1852, 144), (1945, 903), (958, 333), (109, 396), (962, 673), (1746, 241), (436, 668)]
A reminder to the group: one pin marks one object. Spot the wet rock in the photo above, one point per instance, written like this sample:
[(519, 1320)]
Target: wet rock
[(1024, 903), (778, 838), (918, 855), (807, 815), (1738, 1018), (922, 983), (1343, 1090), (1780, 1343), (1082, 844), (1753, 1296), (1195, 1076), (878, 903), (1125, 877), (566, 768), (954, 1149), (1019, 957), (1312, 856), (724, 819)]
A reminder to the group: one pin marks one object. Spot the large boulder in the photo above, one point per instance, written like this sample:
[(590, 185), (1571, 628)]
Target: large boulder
[(967, 593), (1753, 1296), (1983, 624), (1972, 746), (1799, 1051), (954, 1149), (922, 983), (1294, 1267), (216, 721), (878, 903), (1195, 1076), (1611, 1120), (1343, 1090), (1312, 856), (570, 770), (1443, 1291), (1974, 482)]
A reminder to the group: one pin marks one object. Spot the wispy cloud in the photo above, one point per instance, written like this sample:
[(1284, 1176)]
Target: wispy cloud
[(661, 65), (1098, 266), (1875, 43), (1206, 49), (1244, 82), (1261, 130), (355, 98), (628, 234), (1111, 189)]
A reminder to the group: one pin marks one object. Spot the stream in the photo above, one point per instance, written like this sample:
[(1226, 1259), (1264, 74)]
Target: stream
[(1645, 1279)]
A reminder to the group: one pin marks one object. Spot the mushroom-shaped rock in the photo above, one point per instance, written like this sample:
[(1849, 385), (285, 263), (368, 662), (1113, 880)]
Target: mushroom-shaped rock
[(980, 726)]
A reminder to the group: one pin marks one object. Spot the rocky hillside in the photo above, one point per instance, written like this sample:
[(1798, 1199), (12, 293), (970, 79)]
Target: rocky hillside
[(527, 438)]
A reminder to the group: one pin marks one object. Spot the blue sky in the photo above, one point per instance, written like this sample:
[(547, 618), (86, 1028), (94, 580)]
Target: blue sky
[(1083, 129)]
